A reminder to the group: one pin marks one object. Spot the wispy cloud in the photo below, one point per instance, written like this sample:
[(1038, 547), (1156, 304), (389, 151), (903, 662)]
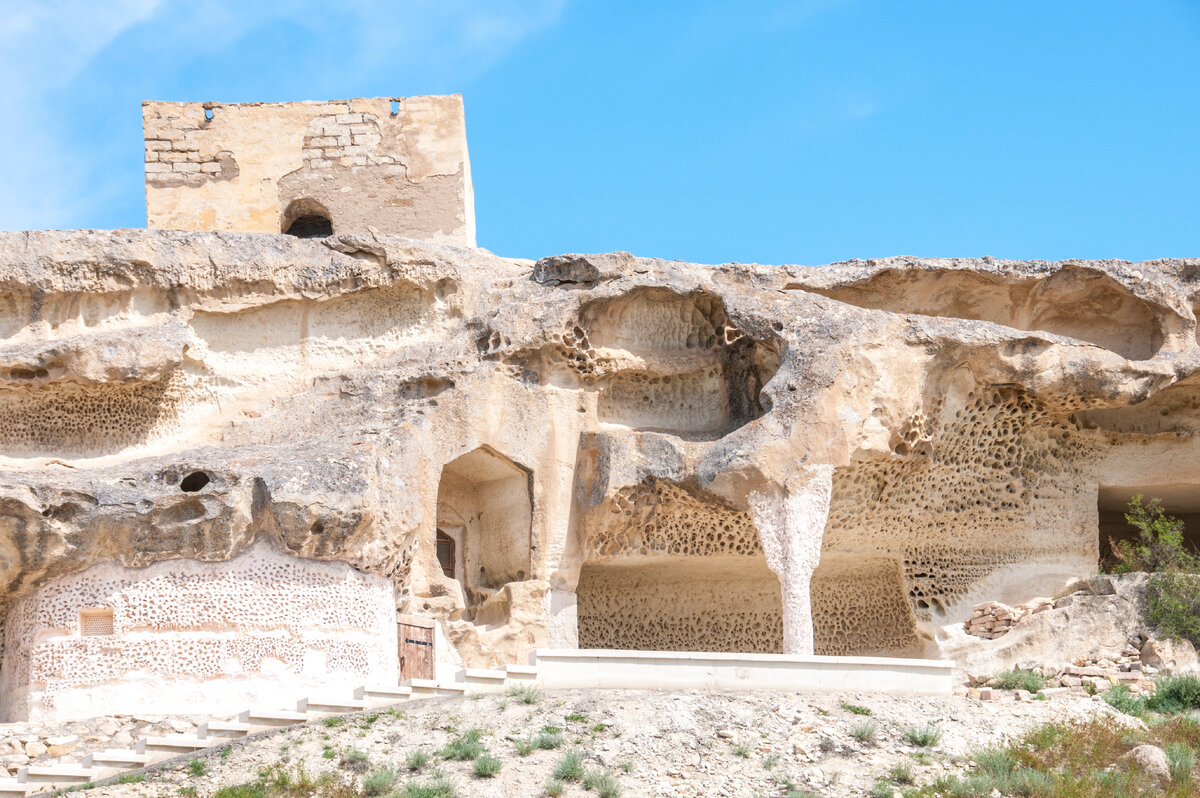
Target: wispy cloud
[(56, 55), (43, 47)]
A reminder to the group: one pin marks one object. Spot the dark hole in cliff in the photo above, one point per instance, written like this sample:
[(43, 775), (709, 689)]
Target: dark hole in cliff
[(208, 114), (395, 107), (317, 528), (311, 227), (194, 482), (307, 218)]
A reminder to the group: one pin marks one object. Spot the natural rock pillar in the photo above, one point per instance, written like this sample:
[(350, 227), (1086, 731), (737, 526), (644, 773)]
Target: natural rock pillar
[(791, 523)]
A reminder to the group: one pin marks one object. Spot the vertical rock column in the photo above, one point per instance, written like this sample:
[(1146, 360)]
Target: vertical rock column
[(791, 523)]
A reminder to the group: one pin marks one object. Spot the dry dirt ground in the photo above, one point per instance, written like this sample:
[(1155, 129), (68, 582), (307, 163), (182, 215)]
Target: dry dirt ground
[(653, 743)]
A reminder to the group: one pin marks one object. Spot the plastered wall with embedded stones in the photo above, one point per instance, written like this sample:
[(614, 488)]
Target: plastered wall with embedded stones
[(182, 634), (586, 450), (392, 165)]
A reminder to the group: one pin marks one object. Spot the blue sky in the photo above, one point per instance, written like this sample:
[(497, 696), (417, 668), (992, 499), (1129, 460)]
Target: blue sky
[(776, 132)]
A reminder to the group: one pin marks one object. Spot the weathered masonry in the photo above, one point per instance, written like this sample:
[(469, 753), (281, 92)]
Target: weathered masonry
[(311, 169)]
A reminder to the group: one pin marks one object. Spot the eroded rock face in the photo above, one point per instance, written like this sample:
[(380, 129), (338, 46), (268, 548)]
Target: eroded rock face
[(591, 450)]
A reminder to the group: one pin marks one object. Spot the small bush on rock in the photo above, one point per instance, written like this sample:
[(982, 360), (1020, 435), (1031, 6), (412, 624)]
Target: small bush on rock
[(1175, 694), (1119, 698), (1173, 605), (1020, 679)]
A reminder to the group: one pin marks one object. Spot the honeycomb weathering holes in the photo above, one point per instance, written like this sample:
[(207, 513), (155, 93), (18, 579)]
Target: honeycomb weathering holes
[(669, 362)]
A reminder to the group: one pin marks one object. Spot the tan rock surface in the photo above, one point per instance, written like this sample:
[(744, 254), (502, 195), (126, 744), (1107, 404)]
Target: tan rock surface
[(634, 452)]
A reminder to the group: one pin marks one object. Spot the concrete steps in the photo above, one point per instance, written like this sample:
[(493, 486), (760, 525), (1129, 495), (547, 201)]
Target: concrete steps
[(432, 687), (59, 776), (383, 696), (482, 680), (321, 706), (263, 718), (121, 759), (99, 765), (11, 788)]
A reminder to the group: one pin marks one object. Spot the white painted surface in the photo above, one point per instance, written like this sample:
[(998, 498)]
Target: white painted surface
[(684, 670)]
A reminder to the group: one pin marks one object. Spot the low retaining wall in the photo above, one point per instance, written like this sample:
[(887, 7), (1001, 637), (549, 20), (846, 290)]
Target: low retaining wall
[(685, 670)]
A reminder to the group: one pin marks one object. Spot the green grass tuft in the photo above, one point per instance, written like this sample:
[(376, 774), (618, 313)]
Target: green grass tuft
[(464, 747), (485, 766), (922, 736), (569, 766), (864, 732)]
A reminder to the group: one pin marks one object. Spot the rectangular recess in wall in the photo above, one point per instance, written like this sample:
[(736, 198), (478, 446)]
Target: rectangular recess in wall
[(96, 622)]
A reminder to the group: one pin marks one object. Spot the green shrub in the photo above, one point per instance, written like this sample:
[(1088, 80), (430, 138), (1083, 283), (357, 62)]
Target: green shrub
[(463, 747), (1174, 694), (379, 782), (196, 767), (569, 767), (863, 732), (131, 778), (922, 736), (333, 723), (555, 788), (416, 760), (524, 746), (742, 750), (1173, 605), (1159, 545), (1181, 759), (1019, 679), (485, 766), (1119, 698), (855, 709)]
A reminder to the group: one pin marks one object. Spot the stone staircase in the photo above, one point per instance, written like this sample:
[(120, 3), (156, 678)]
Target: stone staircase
[(97, 766)]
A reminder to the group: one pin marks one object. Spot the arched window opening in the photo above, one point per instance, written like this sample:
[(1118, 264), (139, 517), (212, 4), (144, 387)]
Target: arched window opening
[(306, 218), (445, 553)]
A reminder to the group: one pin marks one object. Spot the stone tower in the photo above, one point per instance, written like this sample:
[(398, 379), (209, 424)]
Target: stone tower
[(381, 165)]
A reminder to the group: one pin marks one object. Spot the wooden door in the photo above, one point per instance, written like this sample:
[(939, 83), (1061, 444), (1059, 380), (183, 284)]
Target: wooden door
[(415, 641)]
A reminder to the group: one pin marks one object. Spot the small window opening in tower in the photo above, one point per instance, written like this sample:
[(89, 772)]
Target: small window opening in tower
[(445, 553), (305, 218), (395, 107), (208, 114), (96, 622)]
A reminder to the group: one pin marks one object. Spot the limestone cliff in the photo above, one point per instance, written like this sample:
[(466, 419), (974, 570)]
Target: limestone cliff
[(593, 450)]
